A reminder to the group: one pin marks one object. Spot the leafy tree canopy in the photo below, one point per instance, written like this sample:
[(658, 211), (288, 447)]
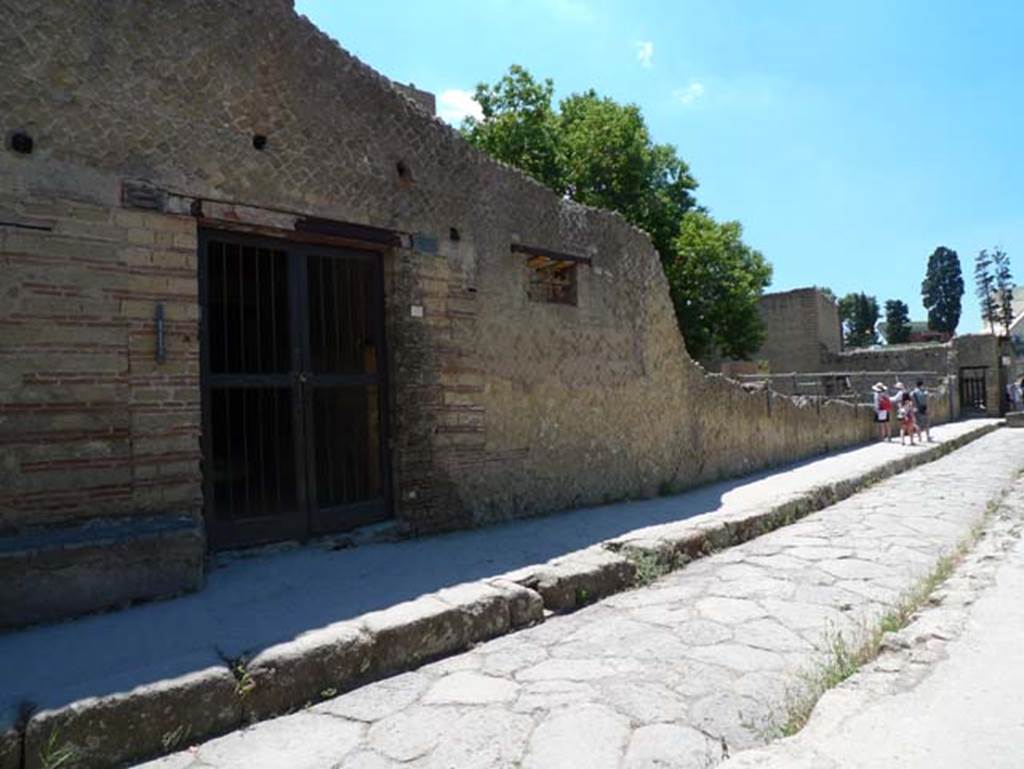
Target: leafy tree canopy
[(942, 290), (859, 315), (897, 322), (593, 149), (600, 152), (716, 280), (519, 125)]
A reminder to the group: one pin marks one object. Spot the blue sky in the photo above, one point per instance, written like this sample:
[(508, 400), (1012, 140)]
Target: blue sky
[(849, 139)]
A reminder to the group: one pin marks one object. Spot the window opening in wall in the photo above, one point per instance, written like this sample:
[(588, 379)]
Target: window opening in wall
[(552, 281), (553, 276)]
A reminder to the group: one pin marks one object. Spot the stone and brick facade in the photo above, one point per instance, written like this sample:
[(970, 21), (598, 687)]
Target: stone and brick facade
[(803, 335), (146, 126)]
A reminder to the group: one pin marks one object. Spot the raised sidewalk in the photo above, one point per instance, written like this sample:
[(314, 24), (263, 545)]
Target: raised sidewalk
[(680, 674), (274, 632)]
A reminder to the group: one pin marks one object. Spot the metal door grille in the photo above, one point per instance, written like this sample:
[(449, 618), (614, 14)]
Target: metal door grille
[(292, 391), (973, 390)]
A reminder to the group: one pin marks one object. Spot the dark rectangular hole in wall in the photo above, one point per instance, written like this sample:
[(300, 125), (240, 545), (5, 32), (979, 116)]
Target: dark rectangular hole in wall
[(552, 280)]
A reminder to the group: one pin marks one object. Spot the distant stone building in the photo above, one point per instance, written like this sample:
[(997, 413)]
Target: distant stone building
[(255, 292), (803, 336), (801, 329)]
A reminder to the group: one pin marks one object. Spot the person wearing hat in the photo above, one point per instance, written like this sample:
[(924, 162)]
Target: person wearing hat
[(883, 405)]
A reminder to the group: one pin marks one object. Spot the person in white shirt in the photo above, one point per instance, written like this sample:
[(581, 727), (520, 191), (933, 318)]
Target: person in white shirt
[(883, 408)]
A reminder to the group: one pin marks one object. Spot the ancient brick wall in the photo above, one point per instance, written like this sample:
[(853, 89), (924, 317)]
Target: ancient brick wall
[(501, 406), (801, 326), (986, 351), (89, 423), (934, 357)]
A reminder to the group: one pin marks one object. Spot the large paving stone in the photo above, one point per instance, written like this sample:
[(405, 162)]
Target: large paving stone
[(412, 732), (578, 670), (671, 746), (643, 701), (372, 703), (304, 741), (470, 688), (547, 695), (591, 736), (483, 739)]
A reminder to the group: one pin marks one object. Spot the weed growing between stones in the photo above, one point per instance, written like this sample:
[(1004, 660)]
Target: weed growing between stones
[(842, 661), (176, 737), (650, 565), (239, 667), (54, 755)]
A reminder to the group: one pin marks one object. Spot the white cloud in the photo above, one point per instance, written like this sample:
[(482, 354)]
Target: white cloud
[(454, 104), (645, 52), (690, 94)]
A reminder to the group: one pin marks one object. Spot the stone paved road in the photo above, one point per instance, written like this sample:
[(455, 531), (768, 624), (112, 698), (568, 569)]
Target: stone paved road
[(251, 603), (946, 692), (671, 675)]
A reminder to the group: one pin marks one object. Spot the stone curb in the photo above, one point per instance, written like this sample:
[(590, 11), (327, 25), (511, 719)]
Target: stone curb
[(154, 719)]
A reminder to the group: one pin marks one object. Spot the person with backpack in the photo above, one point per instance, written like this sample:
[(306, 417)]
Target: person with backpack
[(883, 407), (920, 396)]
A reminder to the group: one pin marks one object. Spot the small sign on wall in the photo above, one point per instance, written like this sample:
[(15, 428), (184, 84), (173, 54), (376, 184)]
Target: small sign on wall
[(416, 311)]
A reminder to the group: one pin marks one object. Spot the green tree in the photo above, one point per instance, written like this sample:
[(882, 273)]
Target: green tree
[(519, 125), (611, 162), (984, 288), (600, 152), (942, 290), (897, 322), (1004, 289), (593, 149), (859, 315), (716, 281)]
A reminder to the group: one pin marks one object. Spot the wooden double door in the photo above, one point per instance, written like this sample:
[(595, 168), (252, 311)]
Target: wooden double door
[(293, 388)]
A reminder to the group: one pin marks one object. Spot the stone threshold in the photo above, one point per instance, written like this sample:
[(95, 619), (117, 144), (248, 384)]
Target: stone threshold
[(159, 718)]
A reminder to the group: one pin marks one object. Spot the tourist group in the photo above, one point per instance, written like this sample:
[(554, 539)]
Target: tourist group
[(910, 410)]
